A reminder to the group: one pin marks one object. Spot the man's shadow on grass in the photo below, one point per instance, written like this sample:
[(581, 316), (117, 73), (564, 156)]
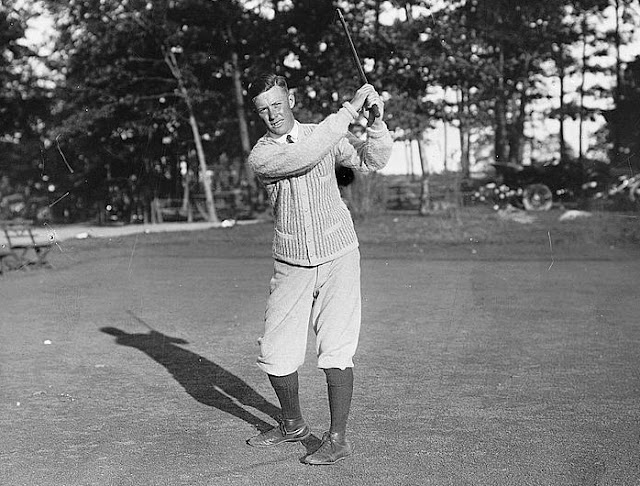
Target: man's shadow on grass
[(204, 380)]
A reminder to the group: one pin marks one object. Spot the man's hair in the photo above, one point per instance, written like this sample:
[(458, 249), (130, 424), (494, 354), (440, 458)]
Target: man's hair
[(265, 82)]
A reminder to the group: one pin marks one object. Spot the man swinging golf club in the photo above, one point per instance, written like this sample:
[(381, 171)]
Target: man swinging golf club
[(316, 277)]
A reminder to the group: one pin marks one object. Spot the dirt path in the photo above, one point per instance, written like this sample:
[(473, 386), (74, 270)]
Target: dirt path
[(132, 363)]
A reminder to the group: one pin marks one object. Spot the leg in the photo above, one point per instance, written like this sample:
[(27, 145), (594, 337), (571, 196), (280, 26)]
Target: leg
[(340, 390), (335, 445), (283, 346), (292, 426), (286, 388), (284, 342), (337, 325), (337, 312)]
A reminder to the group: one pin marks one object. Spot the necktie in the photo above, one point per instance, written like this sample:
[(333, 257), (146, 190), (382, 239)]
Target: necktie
[(289, 139)]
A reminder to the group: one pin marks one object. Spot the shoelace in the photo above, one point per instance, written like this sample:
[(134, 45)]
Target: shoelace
[(327, 443)]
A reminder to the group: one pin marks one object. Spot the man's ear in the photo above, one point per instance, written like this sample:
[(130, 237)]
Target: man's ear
[(292, 99)]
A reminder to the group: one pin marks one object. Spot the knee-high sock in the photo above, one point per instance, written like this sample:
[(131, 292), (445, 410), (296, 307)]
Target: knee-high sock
[(286, 388), (340, 389)]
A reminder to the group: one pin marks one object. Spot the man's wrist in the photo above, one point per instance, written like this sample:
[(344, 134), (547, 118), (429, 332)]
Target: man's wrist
[(352, 111), (378, 127)]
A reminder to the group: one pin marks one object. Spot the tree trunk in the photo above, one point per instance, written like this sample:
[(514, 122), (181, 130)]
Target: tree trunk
[(241, 113), (425, 194), (563, 142), (145, 186), (465, 135), (500, 142), (171, 61), (516, 139), (616, 89), (246, 173), (445, 151), (582, 86), (204, 173), (409, 159), (186, 197)]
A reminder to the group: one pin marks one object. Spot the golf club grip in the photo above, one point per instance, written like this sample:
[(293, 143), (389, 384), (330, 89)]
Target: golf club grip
[(375, 111)]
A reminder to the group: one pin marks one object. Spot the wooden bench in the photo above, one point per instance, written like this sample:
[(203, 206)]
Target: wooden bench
[(171, 210), (22, 248)]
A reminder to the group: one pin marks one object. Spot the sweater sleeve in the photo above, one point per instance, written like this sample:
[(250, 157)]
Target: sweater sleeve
[(272, 161), (366, 155)]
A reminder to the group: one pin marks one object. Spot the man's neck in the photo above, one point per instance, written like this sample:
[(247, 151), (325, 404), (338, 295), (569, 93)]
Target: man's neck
[(295, 130)]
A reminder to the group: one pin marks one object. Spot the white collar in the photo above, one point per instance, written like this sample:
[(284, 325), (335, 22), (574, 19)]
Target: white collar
[(294, 132)]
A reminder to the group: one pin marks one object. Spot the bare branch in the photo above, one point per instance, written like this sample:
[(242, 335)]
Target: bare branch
[(159, 95), (139, 79)]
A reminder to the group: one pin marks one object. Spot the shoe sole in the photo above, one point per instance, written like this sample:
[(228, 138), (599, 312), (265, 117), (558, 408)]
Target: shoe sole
[(329, 463), (265, 446)]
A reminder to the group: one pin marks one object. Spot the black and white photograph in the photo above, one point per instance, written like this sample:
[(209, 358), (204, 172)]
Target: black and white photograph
[(328, 243)]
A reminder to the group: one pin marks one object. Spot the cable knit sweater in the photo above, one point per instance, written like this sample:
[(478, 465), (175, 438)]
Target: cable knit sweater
[(312, 225)]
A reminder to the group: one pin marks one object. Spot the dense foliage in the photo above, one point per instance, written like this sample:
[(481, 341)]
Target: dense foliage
[(23, 104), (147, 93)]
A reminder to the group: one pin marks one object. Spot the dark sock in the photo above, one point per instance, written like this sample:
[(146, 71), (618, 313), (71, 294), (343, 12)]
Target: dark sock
[(286, 388), (340, 388)]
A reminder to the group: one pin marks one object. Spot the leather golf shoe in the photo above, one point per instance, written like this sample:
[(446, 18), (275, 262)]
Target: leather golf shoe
[(333, 449), (288, 430)]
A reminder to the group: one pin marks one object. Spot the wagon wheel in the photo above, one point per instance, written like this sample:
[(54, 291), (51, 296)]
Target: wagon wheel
[(537, 197)]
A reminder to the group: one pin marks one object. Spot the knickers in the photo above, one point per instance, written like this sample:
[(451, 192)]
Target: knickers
[(327, 297)]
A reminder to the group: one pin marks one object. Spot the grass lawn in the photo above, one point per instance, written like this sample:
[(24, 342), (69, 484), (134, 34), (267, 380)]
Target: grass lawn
[(492, 353)]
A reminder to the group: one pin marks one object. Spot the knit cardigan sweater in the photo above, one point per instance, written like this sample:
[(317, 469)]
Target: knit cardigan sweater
[(312, 224)]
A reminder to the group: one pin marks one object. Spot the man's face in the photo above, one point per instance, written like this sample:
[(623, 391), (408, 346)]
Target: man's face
[(274, 108)]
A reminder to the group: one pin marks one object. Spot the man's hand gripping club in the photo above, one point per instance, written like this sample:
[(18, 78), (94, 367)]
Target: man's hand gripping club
[(365, 98)]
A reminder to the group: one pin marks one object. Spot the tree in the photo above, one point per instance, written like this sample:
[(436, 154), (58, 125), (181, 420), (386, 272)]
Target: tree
[(119, 112), (458, 65), (238, 38), (142, 84), (174, 67), (24, 101), (627, 114), (150, 85), (576, 36), (407, 77), (623, 16)]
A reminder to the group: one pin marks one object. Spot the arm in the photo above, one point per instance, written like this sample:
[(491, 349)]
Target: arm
[(272, 161), (370, 154)]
